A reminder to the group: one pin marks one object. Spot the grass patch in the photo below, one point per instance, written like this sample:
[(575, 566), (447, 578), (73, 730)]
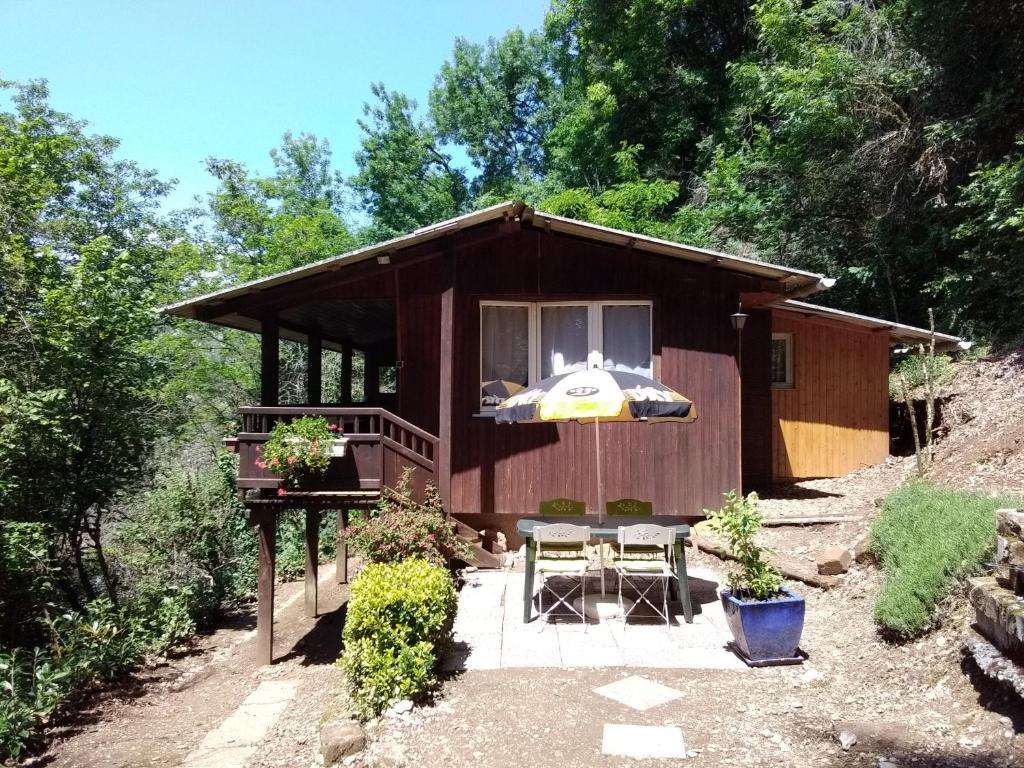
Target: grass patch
[(926, 538)]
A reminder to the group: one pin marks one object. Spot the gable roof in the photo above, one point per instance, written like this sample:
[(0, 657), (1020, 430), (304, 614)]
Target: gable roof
[(898, 332), (797, 282)]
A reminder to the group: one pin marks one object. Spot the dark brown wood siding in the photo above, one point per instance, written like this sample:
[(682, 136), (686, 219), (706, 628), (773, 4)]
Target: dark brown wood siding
[(419, 339), (757, 401), (682, 468)]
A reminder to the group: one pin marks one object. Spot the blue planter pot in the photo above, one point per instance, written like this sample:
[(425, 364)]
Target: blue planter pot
[(766, 631)]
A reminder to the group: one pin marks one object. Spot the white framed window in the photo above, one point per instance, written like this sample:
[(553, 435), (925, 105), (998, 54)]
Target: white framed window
[(524, 342), (782, 360)]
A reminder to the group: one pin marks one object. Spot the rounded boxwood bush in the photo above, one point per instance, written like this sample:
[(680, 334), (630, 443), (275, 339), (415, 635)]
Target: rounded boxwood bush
[(399, 615)]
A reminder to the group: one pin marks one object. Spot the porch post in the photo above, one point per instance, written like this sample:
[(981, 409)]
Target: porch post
[(314, 360), (341, 553), (443, 458), (345, 396), (312, 560), (269, 373), (267, 532)]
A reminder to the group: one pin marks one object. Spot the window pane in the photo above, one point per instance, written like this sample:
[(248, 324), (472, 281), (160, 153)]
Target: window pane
[(627, 339), (779, 364), (563, 340), (504, 352)]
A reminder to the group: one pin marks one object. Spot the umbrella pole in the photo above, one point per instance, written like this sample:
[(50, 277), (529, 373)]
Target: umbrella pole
[(600, 497)]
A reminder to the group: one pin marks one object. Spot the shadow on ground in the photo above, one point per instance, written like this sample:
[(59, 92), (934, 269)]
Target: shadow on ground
[(321, 644)]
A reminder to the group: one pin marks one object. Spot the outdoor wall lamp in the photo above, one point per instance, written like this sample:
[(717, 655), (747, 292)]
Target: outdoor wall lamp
[(738, 319)]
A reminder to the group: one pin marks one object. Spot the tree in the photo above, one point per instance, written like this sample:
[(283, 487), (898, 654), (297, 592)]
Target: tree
[(405, 180), (80, 249), (496, 100), (264, 225)]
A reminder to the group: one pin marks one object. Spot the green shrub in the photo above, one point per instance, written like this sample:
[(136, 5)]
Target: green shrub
[(190, 532), (291, 542), (97, 644), (26, 582), (398, 529), (926, 538), (399, 616)]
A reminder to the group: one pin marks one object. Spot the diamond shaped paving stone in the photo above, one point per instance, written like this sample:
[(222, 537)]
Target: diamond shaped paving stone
[(638, 692), (642, 741)]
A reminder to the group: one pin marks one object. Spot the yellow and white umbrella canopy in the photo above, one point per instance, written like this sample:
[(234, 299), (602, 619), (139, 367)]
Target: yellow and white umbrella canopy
[(596, 395)]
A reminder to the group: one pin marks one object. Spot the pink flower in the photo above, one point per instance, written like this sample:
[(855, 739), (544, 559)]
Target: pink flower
[(259, 449), (261, 463), (282, 492), (333, 427), (291, 460), (275, 463)]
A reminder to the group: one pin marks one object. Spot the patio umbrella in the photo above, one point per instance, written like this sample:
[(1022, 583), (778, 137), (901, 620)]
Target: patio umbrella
[(596, 395)]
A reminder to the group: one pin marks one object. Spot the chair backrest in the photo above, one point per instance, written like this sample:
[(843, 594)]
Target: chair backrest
[(561, 534), (645, 538), (629, 507), (556, 507)]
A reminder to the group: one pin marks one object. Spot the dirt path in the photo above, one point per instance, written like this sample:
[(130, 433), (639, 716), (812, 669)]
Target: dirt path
[(163, 713)]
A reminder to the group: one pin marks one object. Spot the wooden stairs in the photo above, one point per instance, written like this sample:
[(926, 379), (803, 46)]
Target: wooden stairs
[(479, 555)]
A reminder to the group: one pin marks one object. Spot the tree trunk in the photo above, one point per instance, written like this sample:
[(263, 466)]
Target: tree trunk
[(905, 394), (929, 391)]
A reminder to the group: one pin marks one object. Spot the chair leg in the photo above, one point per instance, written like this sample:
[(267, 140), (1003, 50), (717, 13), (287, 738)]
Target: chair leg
[(583, 599), (664, 604)]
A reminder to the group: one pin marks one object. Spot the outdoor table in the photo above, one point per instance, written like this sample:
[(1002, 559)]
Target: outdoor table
[(609, 529)]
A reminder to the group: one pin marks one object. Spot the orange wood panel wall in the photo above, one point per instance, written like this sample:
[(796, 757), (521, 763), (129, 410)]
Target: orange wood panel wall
[(835, 419)]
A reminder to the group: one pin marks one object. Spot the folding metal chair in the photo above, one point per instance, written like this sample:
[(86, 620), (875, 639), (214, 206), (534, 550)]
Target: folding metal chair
[(561, 551), (646, 551)]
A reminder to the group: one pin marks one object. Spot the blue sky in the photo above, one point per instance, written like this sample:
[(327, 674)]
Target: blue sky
[(180, 81)]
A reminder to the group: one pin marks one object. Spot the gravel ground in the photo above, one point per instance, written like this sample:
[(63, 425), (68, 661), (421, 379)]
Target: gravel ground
[(916, 695)]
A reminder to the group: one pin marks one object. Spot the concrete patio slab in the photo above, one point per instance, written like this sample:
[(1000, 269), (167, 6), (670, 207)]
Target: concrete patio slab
[(638, 693), (643, 741), (490, 632)]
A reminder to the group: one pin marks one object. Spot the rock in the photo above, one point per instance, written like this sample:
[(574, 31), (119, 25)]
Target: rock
[(862, 548), (1010, 523), (388, 755), (339, 739), (1000, 614), (1015, 553), (847, 739), (886, 763), (834, 561)]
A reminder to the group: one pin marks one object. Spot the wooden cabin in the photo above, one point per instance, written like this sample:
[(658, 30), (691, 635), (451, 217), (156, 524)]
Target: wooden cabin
[(446, 317)]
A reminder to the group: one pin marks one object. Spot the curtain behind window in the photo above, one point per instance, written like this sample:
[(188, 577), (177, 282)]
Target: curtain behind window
[(564, 343), (626, 332), (505, 352)]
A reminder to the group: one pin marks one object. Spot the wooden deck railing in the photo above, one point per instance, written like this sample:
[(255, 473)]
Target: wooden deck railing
[(380, 446)]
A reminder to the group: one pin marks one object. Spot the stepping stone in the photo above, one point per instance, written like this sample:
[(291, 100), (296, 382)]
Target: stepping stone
[(638, 692), (643, 741)]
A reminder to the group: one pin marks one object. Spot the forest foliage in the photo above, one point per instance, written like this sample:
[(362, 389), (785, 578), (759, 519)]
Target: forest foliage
[(880, 142)]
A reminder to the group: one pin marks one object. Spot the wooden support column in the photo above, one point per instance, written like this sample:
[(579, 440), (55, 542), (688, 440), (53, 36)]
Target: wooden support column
[(345, 396), (341, 553), (314, 364), (312, 560), (443, 458), (269, 365), (266, 529)]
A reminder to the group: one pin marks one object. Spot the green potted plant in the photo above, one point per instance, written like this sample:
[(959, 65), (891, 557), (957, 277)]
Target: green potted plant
[(301, 449), (765, 618)]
